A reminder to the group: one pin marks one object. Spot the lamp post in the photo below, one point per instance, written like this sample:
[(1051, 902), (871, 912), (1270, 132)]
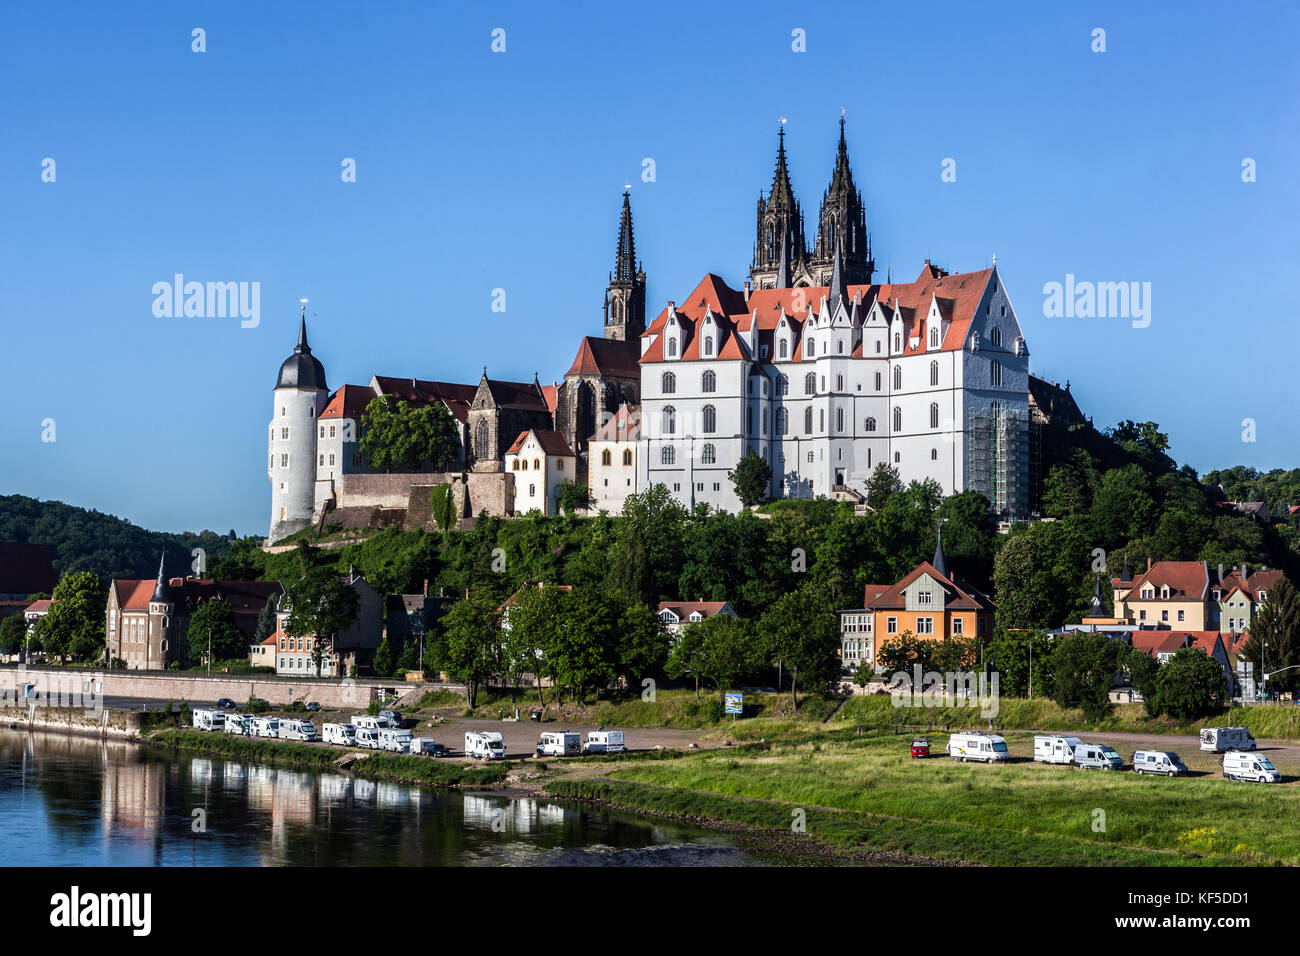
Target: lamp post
[(209, 650)]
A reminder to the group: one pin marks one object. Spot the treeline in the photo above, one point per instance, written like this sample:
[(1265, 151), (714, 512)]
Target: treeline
[(82, 540)]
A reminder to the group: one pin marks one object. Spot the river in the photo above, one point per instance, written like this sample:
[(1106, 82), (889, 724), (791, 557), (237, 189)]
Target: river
[(79, 801)]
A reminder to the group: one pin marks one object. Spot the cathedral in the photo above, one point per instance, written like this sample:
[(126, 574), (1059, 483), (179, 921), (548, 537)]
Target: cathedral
[(814, 366)]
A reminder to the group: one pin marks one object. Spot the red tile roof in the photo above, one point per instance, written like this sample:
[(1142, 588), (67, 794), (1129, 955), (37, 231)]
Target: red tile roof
[(1166, 642), (526, 396), (958, 596), (684, 609), (349, 401), (551, 394), (457, 398), (1187, 581), (625, 425), (552, 443), (38, 607), (1255, 581), (597, 356)]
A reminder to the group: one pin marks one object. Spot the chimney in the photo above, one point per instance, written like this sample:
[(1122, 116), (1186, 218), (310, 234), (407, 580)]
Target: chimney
[(426, 587), (1148, 562), (672, 306), (747, 292)]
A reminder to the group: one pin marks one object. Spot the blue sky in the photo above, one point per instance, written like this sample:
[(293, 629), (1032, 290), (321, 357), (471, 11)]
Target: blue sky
[(479, 170)]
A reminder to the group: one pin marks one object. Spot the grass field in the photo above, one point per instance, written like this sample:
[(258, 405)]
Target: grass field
[(862, 792)]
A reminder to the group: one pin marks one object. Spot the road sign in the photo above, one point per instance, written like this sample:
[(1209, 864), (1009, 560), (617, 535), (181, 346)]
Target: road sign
[(735, 703)]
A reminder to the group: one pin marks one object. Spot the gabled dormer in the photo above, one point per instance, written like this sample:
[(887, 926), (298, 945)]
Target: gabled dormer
[(710, 336), (783, 341), (674, 338)]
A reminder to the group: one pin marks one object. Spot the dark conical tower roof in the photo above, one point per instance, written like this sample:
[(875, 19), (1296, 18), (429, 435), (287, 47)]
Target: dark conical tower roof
[(1098, 601), (302, 369), (1126, 574), (782, 191), (162, 592), (940, 563), (625, 259)]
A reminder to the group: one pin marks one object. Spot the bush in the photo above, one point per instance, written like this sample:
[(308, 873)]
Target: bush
[(256, 705), (710, 710)]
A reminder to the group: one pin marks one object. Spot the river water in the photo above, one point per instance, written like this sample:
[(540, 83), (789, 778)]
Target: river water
[(76, 801)]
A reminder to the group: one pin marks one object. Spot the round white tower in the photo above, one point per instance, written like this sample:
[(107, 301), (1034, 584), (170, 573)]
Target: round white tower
[(300, 396)]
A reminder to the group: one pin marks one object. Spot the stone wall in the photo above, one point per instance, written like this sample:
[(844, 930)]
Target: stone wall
[(403, 500)]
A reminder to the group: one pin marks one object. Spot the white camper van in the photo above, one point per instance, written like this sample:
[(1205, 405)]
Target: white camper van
[(1158, 761), (237, 723), (371, 723), (1097, 757), (209, 719), (1239, 765), (264, 727), (1215, 739), (343, 734), (977, 745), (604, 742), (559, 745), (394, 740), (485, 744), (426, 747), (367, 737), (1052, 749), (298, 730)]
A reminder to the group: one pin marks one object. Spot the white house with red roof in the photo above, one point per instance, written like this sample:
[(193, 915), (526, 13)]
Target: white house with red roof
[(677, 615), (541, 461)]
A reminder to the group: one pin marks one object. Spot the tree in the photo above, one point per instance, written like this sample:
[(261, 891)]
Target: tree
[(473, 634), (321, 607), (1084, 668), (13, 633), (396, 435), (801, 631), (573, 497), (74, 625), (266, 622), (1012, 654), (216, 619), (883, 482), (751, 478), (903, 652), (1191, 685), (1277, 625), (442, 506), (1144, 674), (537, 626), (720, 649), (384, 663)]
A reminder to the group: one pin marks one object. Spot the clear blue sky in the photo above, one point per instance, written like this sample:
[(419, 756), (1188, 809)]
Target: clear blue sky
[(478, 170)]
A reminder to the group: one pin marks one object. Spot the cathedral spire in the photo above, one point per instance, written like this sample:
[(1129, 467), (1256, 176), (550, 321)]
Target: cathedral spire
[(625, 259), (625, 294), (842, 222), (939, 563), (782, 192), (780, 249)]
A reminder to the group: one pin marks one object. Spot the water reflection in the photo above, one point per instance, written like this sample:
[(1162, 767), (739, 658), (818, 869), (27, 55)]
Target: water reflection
[(81, 801)]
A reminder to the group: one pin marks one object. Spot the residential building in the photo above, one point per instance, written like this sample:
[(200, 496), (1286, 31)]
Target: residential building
[(1189, 596), (541, 462), (612, 460), (348, 654), (679, 615)]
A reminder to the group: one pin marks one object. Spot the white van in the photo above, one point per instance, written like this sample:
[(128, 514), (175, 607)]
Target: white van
[(604, 742), (1097, 757), (264, 727), (367, 737), (344, 735), (1239, 765), (297, 730), (485, 744), (209, 719), (237, 723), (394, 740), (1052, 749), (1158, 761), (1215, 739), (977, 745), (371, 723), (552, 744)]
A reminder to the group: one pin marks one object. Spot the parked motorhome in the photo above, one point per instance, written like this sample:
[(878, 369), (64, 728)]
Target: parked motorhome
[(264, 727), (373, 723), (1158, 761), (977, 746), (485, 744), (1097, 757), (209, 719), (343, 734), (425, 747), (298, 730), (604, 742), (368, 737), (1240, 765), (237, 723), (394, 740), (1217, 739), (559, 745), (1049, 748)]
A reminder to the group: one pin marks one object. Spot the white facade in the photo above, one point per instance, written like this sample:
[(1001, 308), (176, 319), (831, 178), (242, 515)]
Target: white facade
[(291, 458), (540, 472), (826, 395)]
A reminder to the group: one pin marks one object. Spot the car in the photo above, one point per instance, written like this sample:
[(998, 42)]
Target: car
[(313, 705), (393, 717), (226, 703), (920, 747)]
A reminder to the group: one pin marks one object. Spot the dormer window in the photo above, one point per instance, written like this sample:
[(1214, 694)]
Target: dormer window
[(898, 342), (1148, 593), (1164, 592), (672, 348), (708, 345), (934, 338), (784, 348), (812, 348), (1263, 595)]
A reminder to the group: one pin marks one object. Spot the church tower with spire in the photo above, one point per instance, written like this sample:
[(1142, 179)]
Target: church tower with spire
[(625, 295), (780, 249), (300, 396), (842, 224)]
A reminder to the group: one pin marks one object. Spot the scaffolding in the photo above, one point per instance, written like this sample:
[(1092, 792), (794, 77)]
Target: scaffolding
[(1003, 460)]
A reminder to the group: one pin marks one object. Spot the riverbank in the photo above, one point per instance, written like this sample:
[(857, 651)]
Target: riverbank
[(77, 721)]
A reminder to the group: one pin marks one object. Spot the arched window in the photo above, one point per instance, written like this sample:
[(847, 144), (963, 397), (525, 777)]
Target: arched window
[(481, 440), (877, 381), (934, 415), (934, 336), (996, 374), (898, 377), (897, 458), (537, 464), (668, 455), (627, 456), (782, 421), (515, 465), (995, 337), (898, 342), (839, 420), (810, 384), (934, 373), (710, 419), (784, 348), (710, 382), (812, 346), (708, 345), (606, 458), (869, 425), (670, 420), (898, 419), (782, 385), (708, 455), (523, 464), (669, 383), (807, 421), (672, 348), (839, 383), (934, 454)]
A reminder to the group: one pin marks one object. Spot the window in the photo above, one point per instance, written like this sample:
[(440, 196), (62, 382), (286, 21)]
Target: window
[(537, 464), (934, 454), (877, 381), (514, 465), (669, 420), (627, 456), (958, 625), (898, 342), (869, 425), (934, 337), (924, 625), (672, 348), (897, 457), (710, 382), (1180, 615), (532, 491), (934, 373), (1164, 615), (708, 456), (898, 377), (996, 374), (810, 384), (710, 419), (559, 464), (708, 345), (284, 433), (995, 336), (749, 421), (934, 415), (821, 420), (606, 458), (523, 464), (812, 347), (840, 346), (891, 625), (782, 385), (807, 422), (331, 431), (810, 456), (356, 459), (321, 463), (284, 460), (783, 348), (668, 456), (749, 387), (322, 431), (782, 421), (898, 419), (839, 383), (839, 421), (669, 383)]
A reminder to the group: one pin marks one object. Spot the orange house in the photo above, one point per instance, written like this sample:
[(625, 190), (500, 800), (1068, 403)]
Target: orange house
[(928, 602)]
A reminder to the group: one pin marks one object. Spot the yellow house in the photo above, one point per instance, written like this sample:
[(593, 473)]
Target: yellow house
[(1168, 593)]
